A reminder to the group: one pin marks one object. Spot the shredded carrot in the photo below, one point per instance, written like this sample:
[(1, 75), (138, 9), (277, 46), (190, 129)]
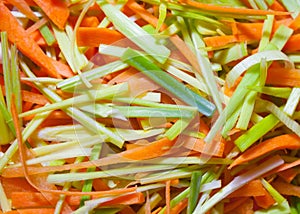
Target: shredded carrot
[(33, 200), (286, 188), (24, 8), (287, 141), (57, 11), (253, 188), (168, 196), (93, 36), (264, 201), (283, 77)]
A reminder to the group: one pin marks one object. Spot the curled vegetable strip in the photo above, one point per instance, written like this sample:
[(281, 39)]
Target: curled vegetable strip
[(254, 59)]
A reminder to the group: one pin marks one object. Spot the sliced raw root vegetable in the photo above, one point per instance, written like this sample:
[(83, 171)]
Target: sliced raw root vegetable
[(149, 106)]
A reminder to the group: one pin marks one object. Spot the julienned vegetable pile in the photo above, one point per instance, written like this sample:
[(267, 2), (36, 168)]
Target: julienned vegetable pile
[(150, 106)]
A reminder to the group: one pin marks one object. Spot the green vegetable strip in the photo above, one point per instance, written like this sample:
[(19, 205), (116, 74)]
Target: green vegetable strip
[(231, 122), (177, 128), (162, 16), (281, 92), (103, 110), (47, 35), (280, 38), (88, 184), (78, 115), (237, 51), (147, 67), (292, 102), (261, 4), (6, 69), (92, 96), (194, 191), (72, 82), (135, 33), (256, 132), (267, 30), (292, 6), (4, 202)]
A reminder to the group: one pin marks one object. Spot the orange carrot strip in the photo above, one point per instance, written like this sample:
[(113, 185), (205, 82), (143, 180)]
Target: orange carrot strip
[(168, 196), (11, 185), (293, 44), (90, 21), (57, 11), (17, 34), (231, 10), (200, 146), (295, 24), (24, 8), (21, 200), (288, 175), (264, 201), (232, 205), (219, 41), (93, 36), (179, 207), (286, 188), (286, 141), (277, 6), (283, 77), (253, 188), (245, 208)]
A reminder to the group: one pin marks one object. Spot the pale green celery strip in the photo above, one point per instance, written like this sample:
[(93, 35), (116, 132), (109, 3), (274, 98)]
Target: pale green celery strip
[(111, 50), (295, 58), (171, 29), (46, 80), (91, 96), (78, 115), (177, 128), (237, 51), (292, 102), (246, 110), (123, 171), (59, 155), (269, 55), (275, 194), (205, 67), (194, 191), (65, 45), (4, 203), (292, 6), (66, 187), (281, 92), (231, 122), (82, 143), (72, 82), (256, 132), (103, 110), (185, 172), (5, 113), (29, 129), (267, 30), (142, 102), (130, 134), (5, 136), (134, 32), (105, 21), (261, 4), (88, 184), (283, 117), (154, 200), (15, 76), (256, 118), (250, 78), (47, 35), (270, 2), (280, 37), (240, 181), (162, 16), (6, 69)]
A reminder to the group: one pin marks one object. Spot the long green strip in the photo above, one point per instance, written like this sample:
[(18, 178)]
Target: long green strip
[(47, 35), (72, 82), (194, 191), (134, 32), (267, 30), (88, 184), (147, 67)]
